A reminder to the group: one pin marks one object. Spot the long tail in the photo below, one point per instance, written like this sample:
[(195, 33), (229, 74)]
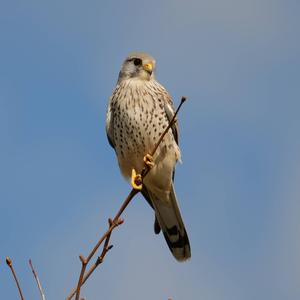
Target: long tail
[(168, 217)]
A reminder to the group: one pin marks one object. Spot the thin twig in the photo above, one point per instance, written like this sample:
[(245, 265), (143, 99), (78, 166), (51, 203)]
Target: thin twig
[(106, 236), (115, 222), (84, 264), (171, 123), (9, 263), (37, 280)]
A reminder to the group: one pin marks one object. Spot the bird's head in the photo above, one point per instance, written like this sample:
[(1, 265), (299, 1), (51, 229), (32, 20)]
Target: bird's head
[(138, 65)]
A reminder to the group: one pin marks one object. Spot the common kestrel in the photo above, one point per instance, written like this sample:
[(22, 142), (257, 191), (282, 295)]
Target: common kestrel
[(139, 110)]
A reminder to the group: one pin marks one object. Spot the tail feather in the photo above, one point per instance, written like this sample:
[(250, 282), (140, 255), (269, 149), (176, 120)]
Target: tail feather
[(156, 226), (168, 219)]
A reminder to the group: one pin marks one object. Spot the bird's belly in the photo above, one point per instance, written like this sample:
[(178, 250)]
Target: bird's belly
[(132, 148), (136, 132)]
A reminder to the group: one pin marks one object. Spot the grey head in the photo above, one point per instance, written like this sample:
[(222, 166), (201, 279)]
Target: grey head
[(138, 65)]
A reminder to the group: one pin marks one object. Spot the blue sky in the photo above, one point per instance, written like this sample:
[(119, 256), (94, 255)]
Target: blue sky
[(237, 62)]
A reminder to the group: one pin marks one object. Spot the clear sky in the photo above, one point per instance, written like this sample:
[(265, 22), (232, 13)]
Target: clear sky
[(238, 63)]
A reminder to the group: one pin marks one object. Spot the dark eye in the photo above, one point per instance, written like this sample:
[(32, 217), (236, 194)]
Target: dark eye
[(137, 61)]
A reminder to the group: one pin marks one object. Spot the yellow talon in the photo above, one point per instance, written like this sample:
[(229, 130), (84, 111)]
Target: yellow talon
[(149, 161), (136, 180)]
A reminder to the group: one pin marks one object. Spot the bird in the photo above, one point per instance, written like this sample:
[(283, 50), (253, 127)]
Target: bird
[(138, 112)]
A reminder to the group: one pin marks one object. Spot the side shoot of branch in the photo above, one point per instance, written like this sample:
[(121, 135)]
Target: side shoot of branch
[(10, 264), (37, 280)]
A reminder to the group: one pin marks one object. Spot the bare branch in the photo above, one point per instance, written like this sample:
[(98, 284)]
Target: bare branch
[(37, 280), (106, 236), (114, 223), (9, 263), (171, 123)]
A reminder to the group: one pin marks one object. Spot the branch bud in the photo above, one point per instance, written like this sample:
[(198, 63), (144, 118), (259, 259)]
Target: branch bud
[(8, 261)]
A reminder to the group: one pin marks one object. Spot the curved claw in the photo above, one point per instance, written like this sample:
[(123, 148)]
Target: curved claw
[(149, 161), (136, 180)]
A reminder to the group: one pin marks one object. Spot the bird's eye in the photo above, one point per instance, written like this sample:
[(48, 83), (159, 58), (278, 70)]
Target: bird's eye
[(137, 61)]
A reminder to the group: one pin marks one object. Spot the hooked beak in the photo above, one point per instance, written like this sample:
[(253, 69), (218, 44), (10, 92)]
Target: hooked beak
[(148, 68)]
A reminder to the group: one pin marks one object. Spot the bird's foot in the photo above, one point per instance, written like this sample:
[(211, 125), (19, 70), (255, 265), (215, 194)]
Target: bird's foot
[(149, 161), (136, 180)]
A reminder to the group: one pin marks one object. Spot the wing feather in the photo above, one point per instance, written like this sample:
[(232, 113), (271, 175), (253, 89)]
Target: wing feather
[(110, 125), (169, 109)]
